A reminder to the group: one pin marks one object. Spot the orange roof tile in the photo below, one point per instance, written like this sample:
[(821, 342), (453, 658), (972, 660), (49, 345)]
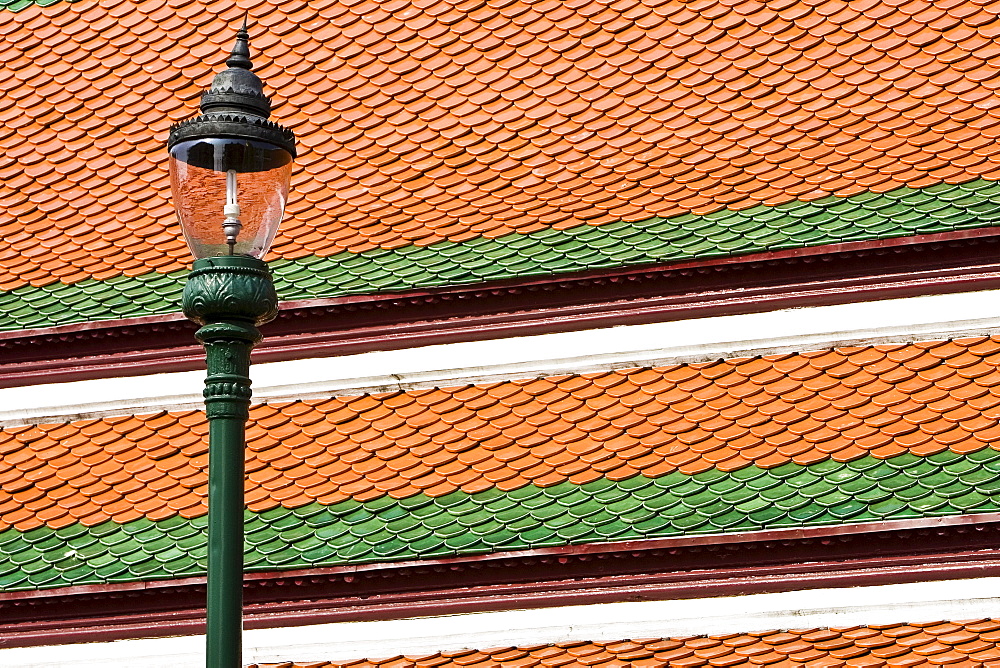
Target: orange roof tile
[(967, 643), (421, 122), (801, 408)]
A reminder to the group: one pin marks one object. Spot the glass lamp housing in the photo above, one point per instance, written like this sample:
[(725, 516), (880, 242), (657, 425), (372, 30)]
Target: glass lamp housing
[(229, 193)]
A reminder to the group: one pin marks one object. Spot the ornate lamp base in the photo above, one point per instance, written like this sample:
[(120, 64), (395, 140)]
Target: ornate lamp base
[(230, 288)]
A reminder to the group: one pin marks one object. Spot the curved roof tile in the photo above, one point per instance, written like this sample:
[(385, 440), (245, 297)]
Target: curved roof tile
[(426, 122), (842, 405), (934, 643)]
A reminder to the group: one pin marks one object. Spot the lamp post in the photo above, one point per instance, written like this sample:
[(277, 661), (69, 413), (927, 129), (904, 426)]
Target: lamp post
[(230, 170)]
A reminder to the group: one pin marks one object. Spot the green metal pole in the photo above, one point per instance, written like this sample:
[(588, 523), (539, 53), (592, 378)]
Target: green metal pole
[(227, 398), (229, 296)]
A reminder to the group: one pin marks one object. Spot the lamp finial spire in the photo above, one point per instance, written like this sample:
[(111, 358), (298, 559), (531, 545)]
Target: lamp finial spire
[(240, 57)]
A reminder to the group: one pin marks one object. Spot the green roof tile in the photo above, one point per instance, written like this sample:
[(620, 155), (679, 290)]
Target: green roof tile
[(387, 529), (866, 216)]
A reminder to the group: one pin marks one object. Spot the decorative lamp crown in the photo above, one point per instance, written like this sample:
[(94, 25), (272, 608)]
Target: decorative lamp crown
[(230, 167)]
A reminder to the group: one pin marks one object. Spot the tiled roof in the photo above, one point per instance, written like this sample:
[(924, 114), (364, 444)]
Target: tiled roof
[(804, 408), (426, 122), (901, 212), (937, 643), (845, 404), (460, 523), (829, 437), (18, 5)]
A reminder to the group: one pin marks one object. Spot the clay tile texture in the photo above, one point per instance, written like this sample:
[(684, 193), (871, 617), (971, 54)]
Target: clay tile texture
[(849, 435), (839, 406), (973, 643), (422, 123)]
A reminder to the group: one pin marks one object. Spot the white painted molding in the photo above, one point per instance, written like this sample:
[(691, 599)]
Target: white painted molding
[(347, 641), (813, 328)]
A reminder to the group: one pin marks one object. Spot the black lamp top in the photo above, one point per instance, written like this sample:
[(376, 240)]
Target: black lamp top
[(235, 105)]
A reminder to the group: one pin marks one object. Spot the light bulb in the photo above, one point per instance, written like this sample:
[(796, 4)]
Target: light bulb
[(231, 225)]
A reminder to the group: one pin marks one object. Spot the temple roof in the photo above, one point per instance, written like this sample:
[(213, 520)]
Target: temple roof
[(937, 643), (445, 144), (820, 439), (451, 144)]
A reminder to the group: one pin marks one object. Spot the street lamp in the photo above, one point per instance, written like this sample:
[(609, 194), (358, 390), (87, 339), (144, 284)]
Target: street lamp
[(230, 170)]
